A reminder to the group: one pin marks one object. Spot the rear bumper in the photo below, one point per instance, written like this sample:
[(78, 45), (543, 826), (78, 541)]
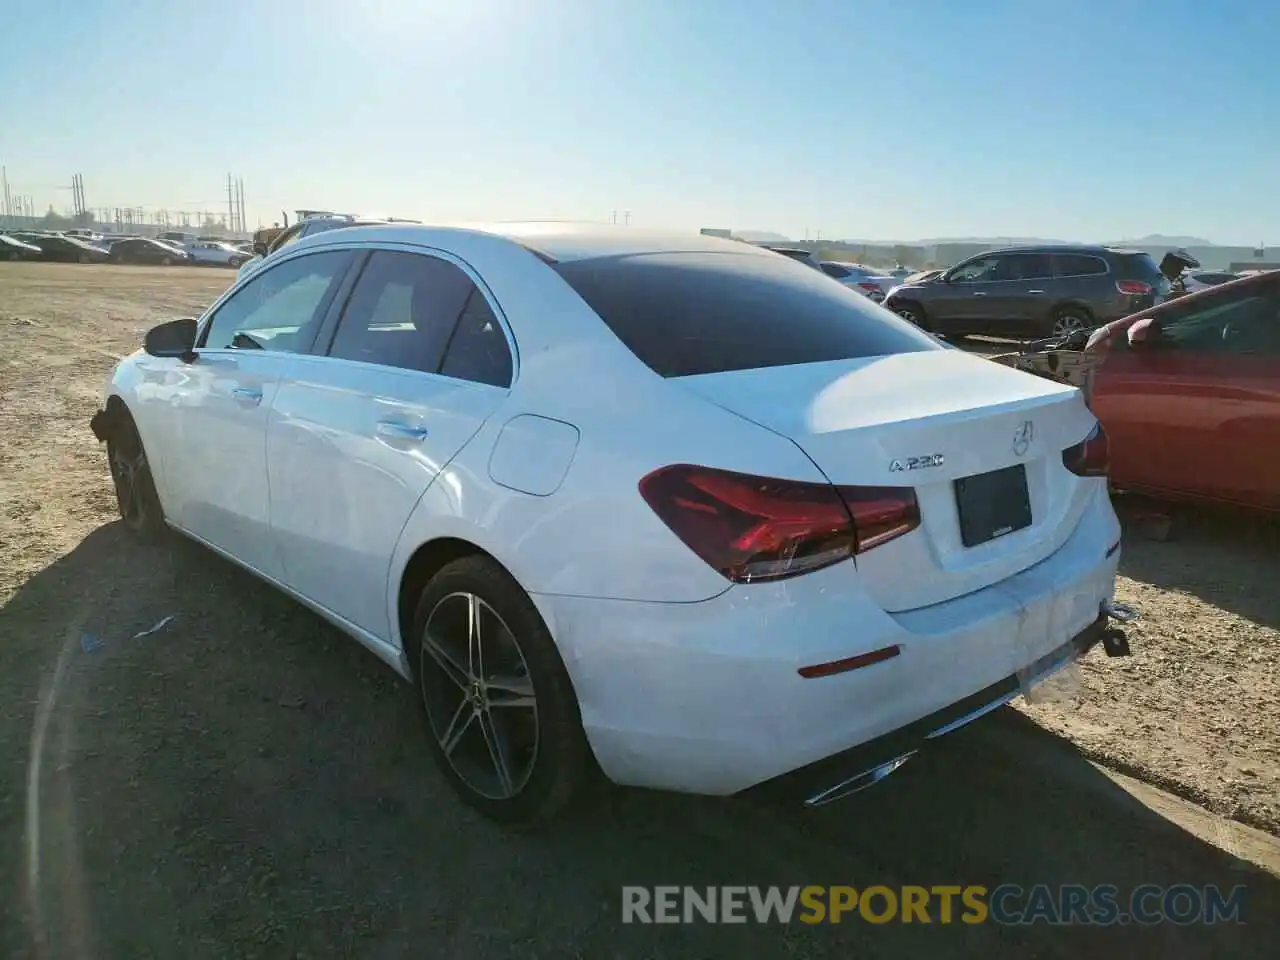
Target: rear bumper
[(706, 697), (861, 766)]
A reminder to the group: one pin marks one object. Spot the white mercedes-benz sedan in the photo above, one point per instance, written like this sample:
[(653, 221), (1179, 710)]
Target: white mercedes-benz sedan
[(672, 507)]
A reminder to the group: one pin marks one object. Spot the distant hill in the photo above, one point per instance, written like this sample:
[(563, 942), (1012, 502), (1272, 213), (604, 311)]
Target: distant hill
[(1163, 240)]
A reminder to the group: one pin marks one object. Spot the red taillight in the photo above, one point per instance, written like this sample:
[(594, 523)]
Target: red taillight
[(880, 513), (870, 287), (1090, 457), (756, 528), (1136, 288)]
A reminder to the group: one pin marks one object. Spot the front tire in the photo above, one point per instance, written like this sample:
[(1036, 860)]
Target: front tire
[(165, 261), (501, 714), (136, 496), (913, 313)]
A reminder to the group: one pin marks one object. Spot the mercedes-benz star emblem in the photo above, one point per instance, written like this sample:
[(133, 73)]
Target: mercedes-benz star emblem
[(1022, 437)]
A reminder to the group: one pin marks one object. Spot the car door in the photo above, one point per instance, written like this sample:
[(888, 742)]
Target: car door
[(419, 359), (1018, 299), (961, 303), (215, 464), (1195, 409)]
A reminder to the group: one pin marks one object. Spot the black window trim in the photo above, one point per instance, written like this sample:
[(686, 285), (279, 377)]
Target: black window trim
[(206, 322), (329, 326)]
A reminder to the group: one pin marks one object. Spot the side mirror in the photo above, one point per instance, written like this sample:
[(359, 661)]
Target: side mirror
[(176, 338), (259, 248), (1142, 333)]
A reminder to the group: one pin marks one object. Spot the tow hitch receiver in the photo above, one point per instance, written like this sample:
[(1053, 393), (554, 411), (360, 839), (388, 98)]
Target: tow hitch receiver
[(1114, 641)]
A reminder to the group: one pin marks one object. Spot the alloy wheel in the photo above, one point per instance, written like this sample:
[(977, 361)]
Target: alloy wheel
[(479, 696), (1067, 323), (127, 469)]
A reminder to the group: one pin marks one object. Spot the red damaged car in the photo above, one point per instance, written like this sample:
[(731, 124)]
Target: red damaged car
[(1189, 395)]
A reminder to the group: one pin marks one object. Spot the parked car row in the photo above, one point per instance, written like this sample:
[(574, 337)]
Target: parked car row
[(85, 246)]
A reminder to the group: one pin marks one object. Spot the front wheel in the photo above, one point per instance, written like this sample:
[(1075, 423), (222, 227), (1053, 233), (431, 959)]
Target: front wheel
[(236, 263), (136, 496), (912, 314), (165, 261), (84, 258), (501, 712)]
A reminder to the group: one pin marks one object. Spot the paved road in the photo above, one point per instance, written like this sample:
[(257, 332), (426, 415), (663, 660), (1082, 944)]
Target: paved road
[(245, 782)]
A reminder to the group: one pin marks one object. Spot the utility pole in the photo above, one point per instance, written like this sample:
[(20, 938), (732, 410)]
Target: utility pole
[(240, 196), (231, 206), (8, 204)]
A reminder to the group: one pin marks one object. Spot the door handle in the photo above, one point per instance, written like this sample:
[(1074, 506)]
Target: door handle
[(979, 293), (1035, 291), (247, 396), (394, 430)]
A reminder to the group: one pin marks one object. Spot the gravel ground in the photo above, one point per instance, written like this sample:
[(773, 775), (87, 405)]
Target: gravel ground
[(245, 782)]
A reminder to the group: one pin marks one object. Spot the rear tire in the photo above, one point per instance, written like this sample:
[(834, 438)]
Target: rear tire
[(501, 714), (1067, 320), (136, 496)]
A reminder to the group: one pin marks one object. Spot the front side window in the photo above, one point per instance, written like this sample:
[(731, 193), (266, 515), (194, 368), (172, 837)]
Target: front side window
[(280, 308), (1247, 322), (976, 271), (402, 312)]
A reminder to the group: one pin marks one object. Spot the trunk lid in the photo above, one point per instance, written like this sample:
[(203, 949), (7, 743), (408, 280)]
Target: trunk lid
[(883, 421)]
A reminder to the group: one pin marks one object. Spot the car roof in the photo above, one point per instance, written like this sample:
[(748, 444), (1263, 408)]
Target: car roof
[(554, 240), (1088, 248)]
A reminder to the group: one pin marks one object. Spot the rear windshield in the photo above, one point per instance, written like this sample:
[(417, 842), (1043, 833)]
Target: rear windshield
[(689, 313)]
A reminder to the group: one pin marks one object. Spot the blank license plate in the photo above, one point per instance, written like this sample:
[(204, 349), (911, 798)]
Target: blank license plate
[(992, 504)]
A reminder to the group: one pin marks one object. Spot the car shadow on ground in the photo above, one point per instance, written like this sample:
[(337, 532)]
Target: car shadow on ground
[(1226, 557), (245, 781)]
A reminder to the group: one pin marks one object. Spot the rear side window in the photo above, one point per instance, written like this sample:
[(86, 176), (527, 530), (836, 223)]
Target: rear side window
[(835, 270), (1080, 265), (478, 350), (402, 311), (690, 313)]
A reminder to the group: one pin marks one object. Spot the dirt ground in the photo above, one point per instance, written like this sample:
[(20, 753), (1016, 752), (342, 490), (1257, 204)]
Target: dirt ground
[(244, 782)]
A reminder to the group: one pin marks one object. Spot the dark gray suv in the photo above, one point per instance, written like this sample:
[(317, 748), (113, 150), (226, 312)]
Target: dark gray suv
[(1032, 292)]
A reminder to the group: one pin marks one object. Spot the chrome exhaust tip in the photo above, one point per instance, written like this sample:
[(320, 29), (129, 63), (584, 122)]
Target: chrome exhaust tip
[(868, 778)]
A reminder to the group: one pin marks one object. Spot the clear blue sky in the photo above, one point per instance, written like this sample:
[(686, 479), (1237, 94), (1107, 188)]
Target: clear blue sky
[(1086, 119)]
